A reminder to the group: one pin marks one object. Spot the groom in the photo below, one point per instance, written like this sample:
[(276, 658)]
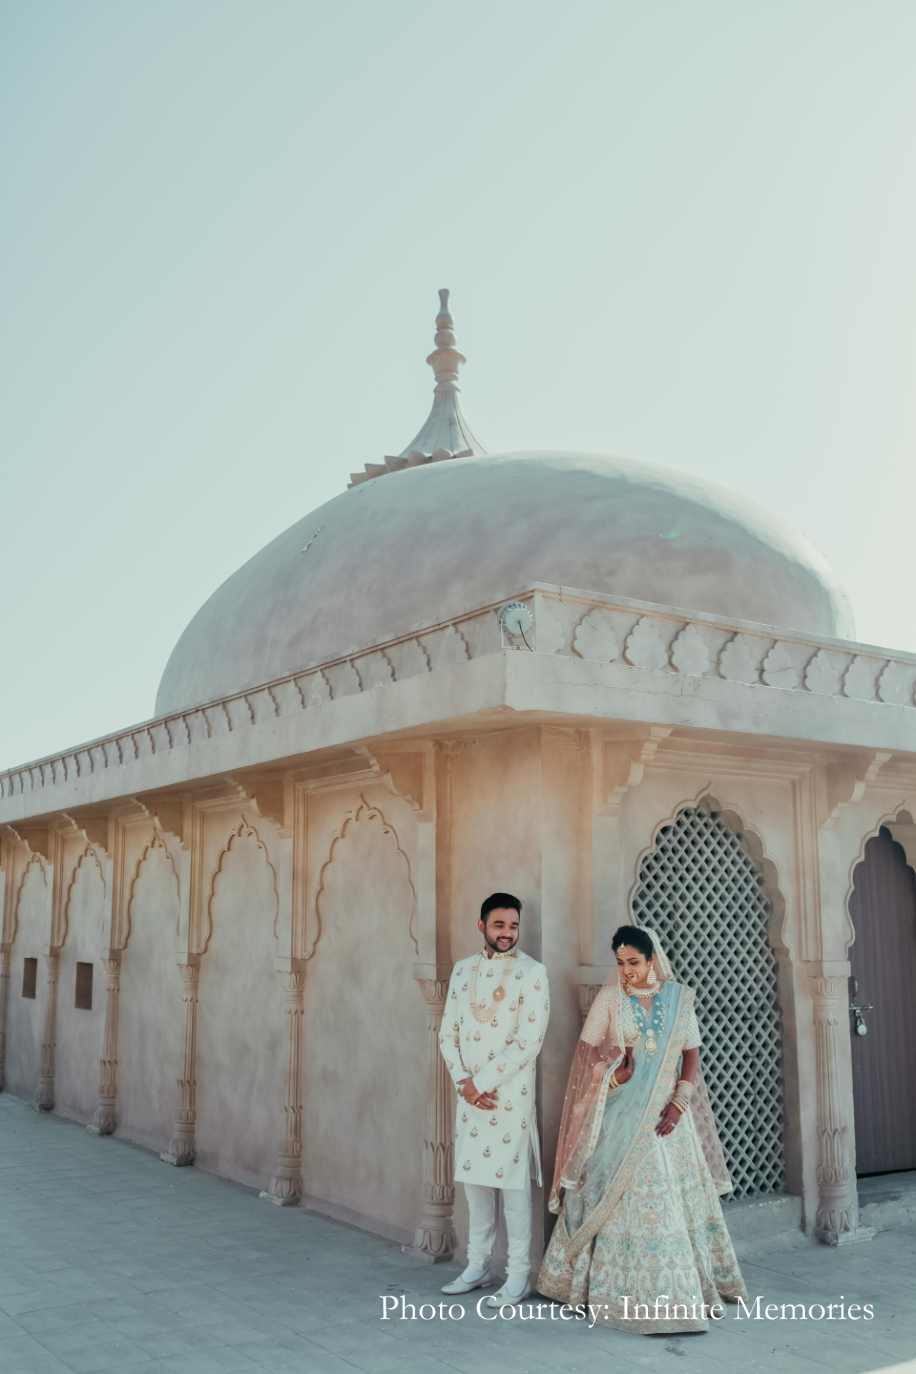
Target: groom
[(493, 1027)]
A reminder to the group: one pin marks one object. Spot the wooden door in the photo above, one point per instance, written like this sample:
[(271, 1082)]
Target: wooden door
[(883, 958)]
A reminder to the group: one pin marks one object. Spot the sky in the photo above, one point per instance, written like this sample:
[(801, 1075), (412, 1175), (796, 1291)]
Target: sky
[(681, 231)]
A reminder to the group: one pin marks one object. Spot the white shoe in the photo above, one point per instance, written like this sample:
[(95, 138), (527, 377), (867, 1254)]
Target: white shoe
[(459, 1286), (506, 1299)]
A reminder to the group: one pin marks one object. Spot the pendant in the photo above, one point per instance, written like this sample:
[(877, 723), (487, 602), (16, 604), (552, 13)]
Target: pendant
[(651, 1045), (499, 994)]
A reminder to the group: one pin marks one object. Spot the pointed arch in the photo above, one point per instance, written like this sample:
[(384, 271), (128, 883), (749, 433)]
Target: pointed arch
[(243, 831), (703, 884), (88, 856), (904, 812), (363, 810), (753, 842), (155, 844), (35, 861)]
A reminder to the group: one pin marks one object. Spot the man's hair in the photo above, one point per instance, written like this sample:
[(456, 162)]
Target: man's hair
[(500, 901)]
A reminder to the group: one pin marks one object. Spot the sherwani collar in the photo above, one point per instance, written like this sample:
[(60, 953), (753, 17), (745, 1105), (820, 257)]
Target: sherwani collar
[(509, 954)]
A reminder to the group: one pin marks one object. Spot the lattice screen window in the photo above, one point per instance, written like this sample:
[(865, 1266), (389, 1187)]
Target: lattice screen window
[(704, 894)]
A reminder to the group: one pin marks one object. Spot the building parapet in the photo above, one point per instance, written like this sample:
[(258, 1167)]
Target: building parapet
[(567, 622)]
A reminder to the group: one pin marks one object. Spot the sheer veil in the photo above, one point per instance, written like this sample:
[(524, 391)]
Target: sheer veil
[(586, 1091)]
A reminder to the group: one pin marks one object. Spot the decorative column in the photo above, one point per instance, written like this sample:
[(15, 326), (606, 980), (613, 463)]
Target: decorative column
[(435, 1235), (591, 979), (837, 1220), (286, 1185), (44, 1097), (105, 1118), (6, 954), (181, 1150)]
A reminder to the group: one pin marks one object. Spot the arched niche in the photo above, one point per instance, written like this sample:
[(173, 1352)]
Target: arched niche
[(707, 886), (241, 1042), (882, 1021)]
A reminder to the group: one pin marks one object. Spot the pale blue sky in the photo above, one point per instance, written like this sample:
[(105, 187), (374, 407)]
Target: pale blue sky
[(682, 231)]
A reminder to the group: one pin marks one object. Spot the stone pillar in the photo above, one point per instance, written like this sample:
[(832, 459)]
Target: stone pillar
[(181, 1150), (6, 954), (44, 1097), (435, 1235), (591, 979), (105, 1118), (837, 1220), (286, 1185)]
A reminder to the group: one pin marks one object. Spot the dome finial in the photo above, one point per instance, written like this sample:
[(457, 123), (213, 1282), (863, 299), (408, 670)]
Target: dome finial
[(447, 432), (445, 360)]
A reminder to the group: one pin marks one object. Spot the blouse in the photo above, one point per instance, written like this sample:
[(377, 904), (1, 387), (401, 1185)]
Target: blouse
[(598, 1022)]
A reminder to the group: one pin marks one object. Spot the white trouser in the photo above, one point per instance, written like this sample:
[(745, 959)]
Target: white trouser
[(483, 1220)]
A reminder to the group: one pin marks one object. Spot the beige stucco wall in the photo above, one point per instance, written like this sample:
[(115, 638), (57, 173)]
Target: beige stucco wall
[(151, 1010), (364, 1065), (79, 1032), (518, 825), (32, 897), (240, 1022)]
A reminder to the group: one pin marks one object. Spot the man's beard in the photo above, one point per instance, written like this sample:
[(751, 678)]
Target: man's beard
[(496, 948)]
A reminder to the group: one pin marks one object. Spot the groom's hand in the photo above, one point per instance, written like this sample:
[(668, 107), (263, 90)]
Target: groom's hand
[(485, 1101)]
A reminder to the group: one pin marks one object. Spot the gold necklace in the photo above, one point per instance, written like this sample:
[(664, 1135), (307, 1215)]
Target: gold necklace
[(483, 1013)]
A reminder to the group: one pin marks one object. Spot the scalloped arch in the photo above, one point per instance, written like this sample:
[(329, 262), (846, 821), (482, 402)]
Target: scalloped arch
[(243, 831), (37, 861), (756, 848), (363, 809), (87, 853), (155, 844), (892, 817)]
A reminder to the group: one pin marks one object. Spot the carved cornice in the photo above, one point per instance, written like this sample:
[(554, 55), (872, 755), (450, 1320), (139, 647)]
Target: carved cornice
[(759, 668), (171, 815), (37, 840), (331, 770), (847, 782), (619, 762), (93, 830), (409, 771)]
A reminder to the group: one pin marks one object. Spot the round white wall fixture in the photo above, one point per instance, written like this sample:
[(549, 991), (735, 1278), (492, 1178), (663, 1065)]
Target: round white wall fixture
[(515, 618)]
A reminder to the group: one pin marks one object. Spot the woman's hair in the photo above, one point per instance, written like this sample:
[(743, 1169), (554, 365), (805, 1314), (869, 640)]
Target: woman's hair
[(632, 935)]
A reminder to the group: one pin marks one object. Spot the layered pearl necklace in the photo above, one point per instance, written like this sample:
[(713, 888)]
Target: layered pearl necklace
[(648, 991), (652, 1025)]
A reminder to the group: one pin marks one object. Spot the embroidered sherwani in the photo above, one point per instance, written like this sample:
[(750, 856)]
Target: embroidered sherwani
[(496, 1041)]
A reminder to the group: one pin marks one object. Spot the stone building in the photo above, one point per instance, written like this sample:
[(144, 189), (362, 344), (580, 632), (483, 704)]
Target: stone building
[(227, 932)]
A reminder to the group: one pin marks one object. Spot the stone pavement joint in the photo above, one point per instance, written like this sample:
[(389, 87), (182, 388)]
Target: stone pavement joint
[(112, 1261)]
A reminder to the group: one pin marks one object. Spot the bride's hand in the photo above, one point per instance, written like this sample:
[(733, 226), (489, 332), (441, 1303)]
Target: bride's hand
[(668, 1120), (625, 1069)]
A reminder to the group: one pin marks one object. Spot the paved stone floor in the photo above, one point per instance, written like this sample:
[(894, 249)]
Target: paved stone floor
[(112, 1261)]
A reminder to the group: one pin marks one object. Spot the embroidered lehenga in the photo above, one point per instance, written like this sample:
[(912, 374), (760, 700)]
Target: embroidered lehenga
[(639, 1214)]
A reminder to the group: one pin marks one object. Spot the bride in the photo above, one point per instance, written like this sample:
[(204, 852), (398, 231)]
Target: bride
[(640, 1233)]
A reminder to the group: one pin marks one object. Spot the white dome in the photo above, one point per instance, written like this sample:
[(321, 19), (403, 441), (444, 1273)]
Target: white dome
[(429, 541)]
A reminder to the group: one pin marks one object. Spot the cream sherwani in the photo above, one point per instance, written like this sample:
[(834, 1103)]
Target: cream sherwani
[(497, 1047)]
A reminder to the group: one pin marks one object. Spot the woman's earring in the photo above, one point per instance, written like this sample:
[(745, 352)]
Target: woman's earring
[(651, 979)]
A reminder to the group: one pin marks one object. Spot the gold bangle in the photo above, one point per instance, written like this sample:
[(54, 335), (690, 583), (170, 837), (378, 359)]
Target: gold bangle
[(681, 1106), (612, 1082)]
